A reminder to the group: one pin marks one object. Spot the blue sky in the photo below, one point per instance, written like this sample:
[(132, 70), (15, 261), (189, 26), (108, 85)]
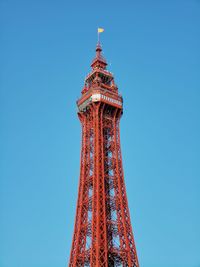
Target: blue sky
[(152, 48)]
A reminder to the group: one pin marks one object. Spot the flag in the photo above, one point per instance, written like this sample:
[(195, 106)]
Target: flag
[(100, 30)]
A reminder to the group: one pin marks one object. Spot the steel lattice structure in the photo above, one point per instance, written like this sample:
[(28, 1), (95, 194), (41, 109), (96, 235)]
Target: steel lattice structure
[(102, 233)]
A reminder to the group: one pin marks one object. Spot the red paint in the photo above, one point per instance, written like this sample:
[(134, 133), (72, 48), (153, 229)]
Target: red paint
[(102, 233)]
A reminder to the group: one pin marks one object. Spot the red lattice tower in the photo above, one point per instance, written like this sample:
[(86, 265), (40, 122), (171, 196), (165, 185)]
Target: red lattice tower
[(103, 234)]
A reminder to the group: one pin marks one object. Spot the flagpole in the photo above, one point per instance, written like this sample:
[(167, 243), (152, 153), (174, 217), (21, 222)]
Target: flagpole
[(99, 30)]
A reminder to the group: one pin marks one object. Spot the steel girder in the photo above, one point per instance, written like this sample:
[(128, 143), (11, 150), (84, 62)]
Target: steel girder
[(102, 233)]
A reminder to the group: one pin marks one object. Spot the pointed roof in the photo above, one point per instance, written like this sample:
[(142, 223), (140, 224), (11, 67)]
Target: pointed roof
[(99, 61)]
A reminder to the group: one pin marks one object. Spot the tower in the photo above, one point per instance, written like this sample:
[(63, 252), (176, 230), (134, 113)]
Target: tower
[(102, 233)]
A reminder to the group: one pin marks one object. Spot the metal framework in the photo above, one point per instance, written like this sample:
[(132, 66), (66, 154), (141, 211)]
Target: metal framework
[(102, 233)]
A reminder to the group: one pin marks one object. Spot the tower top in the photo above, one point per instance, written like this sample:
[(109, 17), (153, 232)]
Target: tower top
[(99, 78), (99, 61)]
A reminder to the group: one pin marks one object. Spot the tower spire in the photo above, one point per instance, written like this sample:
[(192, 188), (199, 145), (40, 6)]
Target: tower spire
[(99, 61)]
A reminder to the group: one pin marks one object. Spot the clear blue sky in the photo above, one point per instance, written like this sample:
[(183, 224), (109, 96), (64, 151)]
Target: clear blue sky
[(153, 49)]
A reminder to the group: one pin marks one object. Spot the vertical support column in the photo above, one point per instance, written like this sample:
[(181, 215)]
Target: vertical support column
[(102, 194), (120, 209), (131, 248), (99, 247), (93, 253), (75, 244)]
